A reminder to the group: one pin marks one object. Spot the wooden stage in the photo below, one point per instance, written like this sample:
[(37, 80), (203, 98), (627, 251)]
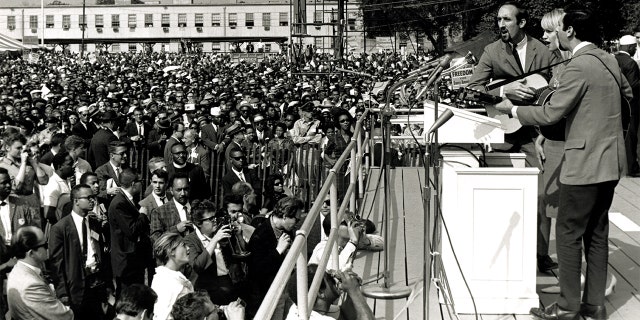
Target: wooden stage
[(406, 251)]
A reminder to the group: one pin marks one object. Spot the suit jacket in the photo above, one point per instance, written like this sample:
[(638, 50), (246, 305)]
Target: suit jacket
[(130, 244), (589, 98), (497, 62), (131, 130), (200, 155), (106, 172), (84, 133), (198, 183), (265, 261), (231, 178), (209, 135), (65, 254), (631, 72), (149, 203), (165, 219), (98, 153), (22, 214), (30, 297)]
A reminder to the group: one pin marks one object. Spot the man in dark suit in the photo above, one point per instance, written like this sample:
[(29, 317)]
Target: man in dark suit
[(210, 133), (263, 133), (57, 140), (174, 215), (77, 267), (630, 118), (98, 153), (514, 54), (28, 294), (200, 188), (150, 203), (594, 160), (130, 244), (238, 172), (176, 137), (85, 128), (236, 133), (109, 173), (137, 130)]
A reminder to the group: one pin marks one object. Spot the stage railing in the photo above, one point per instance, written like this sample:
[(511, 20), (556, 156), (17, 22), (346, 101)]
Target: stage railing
[(297, 255)]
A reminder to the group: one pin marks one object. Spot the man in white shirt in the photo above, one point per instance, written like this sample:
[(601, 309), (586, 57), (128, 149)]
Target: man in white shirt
[(174, 215), (57, 185), (77, 148), (109, 173)]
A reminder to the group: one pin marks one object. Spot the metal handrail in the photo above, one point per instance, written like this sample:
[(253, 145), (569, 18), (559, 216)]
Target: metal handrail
[(297, 252)]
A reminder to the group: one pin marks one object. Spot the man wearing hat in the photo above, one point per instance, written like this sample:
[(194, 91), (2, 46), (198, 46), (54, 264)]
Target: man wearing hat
[(51, 128), (209, 131), (631, 71), (99, 147), (263, 133), (305, 130), (236, 133), (85, 128)]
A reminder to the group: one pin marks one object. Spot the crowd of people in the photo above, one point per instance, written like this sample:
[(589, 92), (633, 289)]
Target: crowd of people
[(80, 220)]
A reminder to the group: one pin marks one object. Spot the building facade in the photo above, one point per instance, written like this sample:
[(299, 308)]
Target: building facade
[(216, 27)]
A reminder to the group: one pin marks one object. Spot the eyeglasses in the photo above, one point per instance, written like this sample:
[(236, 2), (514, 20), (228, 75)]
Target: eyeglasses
[(137, 114), (124, 153), (90, 198), (238, 158), (210, 219), (344, 120), (180, 153)]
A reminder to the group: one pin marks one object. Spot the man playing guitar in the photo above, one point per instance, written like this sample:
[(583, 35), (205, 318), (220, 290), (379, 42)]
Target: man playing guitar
[(516, 53)]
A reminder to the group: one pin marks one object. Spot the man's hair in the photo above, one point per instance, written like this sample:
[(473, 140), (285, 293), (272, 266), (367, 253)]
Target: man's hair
[(73, 142), (177, 144), (232, 198), (584, 25), (176, 176), (241, 188), (135, 299), (85, 176), (58, 139), (152, 162), (522, 14), (58, 159), (191, 306), (161, 174), (116, 144), (10, 139), (4, 171), (128, 177), (76, 189), (199, 208), (287, 207), (25, 239)]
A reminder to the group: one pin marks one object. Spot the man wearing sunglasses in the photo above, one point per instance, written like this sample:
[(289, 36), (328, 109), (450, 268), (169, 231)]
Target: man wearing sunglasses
[(28, 294), (109, 173)]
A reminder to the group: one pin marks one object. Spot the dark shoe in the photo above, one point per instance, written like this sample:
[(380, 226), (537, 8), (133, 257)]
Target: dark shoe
[(554, 312), (591, 312), (546, 264)]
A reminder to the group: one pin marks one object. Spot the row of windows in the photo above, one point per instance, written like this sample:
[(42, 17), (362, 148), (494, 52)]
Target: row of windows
[(132, 47), (165, 20)]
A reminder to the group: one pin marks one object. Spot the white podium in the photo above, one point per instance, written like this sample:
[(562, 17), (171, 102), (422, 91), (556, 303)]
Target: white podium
[(491, 218)]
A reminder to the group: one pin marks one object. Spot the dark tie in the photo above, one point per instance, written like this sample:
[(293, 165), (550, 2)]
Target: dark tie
[(2, 204), (186, 213), (118, 171), (514, 51), (140, 130), (85, 240), (162, 199), (241, 175)]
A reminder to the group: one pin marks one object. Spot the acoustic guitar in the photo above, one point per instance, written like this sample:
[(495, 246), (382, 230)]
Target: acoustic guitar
[(536, 82)]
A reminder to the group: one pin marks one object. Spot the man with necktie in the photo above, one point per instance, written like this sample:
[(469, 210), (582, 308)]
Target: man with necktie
[(108, 173), (130, 242), (174, 215), (75, 248)]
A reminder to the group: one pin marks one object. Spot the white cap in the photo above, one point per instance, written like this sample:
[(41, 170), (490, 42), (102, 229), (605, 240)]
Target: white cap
[(215, 111), (626, 40)]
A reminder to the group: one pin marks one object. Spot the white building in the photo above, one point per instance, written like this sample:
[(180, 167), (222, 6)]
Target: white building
[(164, 24)]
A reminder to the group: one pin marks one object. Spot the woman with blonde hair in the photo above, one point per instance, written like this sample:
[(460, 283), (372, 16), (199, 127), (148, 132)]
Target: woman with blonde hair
[(171, 254)]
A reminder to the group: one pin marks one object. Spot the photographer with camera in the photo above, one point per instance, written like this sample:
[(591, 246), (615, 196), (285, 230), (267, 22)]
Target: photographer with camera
[(23, 168), (210, 254)]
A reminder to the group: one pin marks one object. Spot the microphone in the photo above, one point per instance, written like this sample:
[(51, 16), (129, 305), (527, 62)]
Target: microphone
[(442, 119), (426, 67), (364, 74), (438, 70)]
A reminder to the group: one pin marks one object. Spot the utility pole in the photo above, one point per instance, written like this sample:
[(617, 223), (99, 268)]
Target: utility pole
[(340, 39), (84, 26)]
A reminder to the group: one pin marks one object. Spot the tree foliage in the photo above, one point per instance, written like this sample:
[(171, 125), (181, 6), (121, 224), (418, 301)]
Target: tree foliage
[(440, 18)]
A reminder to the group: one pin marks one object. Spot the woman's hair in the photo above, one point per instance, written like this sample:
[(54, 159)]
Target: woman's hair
[(287, 207), (341, 113), (164, 245), (200, 208), (552, 19)]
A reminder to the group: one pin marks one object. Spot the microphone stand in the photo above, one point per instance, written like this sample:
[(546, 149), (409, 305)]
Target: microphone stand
[(433, 162)]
